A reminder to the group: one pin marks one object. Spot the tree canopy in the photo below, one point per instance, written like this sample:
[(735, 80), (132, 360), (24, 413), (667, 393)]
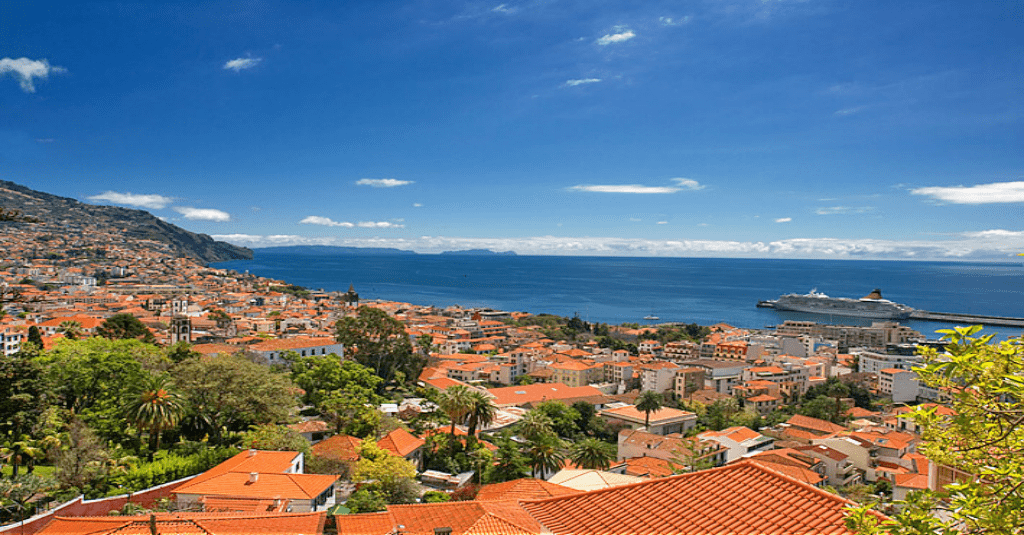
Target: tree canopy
[(980, 439), (123, 327), (378, 341)]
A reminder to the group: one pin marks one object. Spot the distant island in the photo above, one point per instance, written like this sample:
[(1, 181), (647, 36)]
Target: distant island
[(479, 252), (316, 250), (332, 250)]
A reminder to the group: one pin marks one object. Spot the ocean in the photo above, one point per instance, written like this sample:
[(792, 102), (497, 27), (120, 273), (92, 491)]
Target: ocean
[(619, 290)]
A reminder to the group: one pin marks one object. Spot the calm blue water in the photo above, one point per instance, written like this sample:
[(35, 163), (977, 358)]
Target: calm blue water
[(617, 290)]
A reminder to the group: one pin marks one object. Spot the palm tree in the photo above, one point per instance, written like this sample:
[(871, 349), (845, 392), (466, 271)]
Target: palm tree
[(455, 402), (71, 329), (155, 407), (19, 452), (648, 402), (545, 454), (592, 454), (481, 411), (535, 424)]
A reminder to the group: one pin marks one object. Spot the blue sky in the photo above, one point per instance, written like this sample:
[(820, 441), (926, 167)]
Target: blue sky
[(757, 128)]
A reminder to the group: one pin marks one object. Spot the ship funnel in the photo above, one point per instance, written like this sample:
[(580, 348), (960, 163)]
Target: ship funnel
[(875, 294)]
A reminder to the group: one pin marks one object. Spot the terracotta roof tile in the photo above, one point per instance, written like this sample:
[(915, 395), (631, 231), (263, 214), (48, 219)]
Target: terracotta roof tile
[(743, 498), (189, 523), (340, 447), (522, 489), (400, 442)]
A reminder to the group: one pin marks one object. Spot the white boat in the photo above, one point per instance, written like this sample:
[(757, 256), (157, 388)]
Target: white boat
[(870, 306)]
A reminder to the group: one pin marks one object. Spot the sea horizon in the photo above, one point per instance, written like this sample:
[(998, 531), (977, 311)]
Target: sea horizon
[(619, 290)]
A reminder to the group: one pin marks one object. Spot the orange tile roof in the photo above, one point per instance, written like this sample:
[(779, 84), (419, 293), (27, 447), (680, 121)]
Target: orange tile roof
[(249, 461), (189, 523), (743, 498), (469, 518), (649, 467), (535, 393), (522, 489), (365, 524), (401, 442), (340, 447), (814, 424), (267, 485), (630, 412)]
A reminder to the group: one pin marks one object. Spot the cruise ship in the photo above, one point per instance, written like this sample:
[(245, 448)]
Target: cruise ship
[(870, 306)]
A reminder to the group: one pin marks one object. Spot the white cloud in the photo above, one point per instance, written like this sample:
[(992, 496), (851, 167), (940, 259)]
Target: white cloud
[(681, 184), (25, 70), (997, 192), (670, 21), (624, 188), (994, 244), (325, 221), (662, 222), (417, 205), (504, 8), (581, 81), (619, 37), (687, 183), (382, 182), (784, 220), (240, 64), (831, 210), (151, 201), (379, 224), (203, 214)]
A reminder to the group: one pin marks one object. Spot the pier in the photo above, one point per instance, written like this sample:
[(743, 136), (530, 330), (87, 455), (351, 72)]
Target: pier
[(950, 317)]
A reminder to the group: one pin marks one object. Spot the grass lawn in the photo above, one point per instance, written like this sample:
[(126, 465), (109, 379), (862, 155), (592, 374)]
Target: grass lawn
[(43, 471)]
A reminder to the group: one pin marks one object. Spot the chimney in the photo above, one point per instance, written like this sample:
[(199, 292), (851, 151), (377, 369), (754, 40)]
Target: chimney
[(443, 531), (252, 453), (254, 477)]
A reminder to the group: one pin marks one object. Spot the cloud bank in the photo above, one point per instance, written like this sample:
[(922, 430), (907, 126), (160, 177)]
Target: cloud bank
[(25, 70), (325, 221), (997, 192), (681, 184), (151, 201), (203, 214), (382, 182), (978, 245)]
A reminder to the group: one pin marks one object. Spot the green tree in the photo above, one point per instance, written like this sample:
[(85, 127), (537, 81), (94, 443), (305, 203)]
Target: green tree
[(125, 327), (274, 437), (17, 493), (535, 424), (22, 451), (23, 392), (509, 462), (321, 375), (591, 453), (94, 378), (455, 402), (155, 406), (648, 402), (378, 341), (386, 473), (982, 438), (545, 454), (353, 414), (587, 413), (481, 412), (71, 329), (35, 337), (563, 418), (231, 393)]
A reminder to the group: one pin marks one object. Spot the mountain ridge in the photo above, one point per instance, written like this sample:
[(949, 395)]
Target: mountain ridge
[(64, 214)]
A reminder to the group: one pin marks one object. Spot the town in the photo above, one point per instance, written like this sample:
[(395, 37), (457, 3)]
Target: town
[(145, 383)]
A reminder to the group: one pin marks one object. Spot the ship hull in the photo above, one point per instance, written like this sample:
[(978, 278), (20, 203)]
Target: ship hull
[(881, 314)]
